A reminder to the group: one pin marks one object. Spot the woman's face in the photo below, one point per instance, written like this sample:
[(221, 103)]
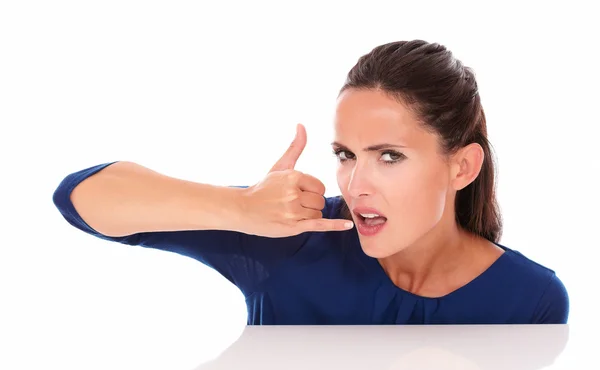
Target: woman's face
[(389, 166)]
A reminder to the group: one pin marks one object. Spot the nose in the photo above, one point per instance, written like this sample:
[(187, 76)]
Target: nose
[(360, 183)]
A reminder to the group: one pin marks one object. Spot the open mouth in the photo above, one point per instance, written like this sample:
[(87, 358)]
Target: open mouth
[(371, 219)]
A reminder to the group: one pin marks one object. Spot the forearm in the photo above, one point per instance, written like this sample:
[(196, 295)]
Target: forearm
[(126, 198)]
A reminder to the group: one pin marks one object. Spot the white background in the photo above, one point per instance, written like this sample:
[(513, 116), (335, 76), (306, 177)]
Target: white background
[(212, 93)]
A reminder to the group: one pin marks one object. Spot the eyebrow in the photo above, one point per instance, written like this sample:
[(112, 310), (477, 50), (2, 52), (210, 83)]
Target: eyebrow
[(372, 148)]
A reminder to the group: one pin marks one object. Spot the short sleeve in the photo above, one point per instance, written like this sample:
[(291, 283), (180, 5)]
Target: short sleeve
[(245, 260), (553, 307)]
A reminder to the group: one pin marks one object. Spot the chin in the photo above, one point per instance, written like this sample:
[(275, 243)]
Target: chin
[(374, 249)]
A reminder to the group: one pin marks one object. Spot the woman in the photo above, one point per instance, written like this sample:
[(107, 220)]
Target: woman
[(416, 178)]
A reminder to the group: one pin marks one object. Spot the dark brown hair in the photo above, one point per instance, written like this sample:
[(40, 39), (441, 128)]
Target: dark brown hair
[(443, 92)]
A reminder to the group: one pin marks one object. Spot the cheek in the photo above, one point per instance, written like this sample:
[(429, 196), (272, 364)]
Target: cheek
[(342, 181), (343, 178), (419, 198)]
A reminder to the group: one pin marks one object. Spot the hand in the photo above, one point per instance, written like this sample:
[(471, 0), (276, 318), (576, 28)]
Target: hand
[(288, 202)]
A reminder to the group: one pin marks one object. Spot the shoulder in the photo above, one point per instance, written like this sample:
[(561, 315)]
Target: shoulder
[(525, 266), (553, 307), (334, 207), (547, 293), (326, 247)]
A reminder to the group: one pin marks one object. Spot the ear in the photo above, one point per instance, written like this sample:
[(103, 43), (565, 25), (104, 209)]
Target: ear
[(466, 165)]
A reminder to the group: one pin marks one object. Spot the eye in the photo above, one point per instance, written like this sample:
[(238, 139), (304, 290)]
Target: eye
[(343, 155), (391, 156)]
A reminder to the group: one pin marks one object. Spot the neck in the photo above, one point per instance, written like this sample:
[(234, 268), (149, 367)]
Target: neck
[(432, 258)]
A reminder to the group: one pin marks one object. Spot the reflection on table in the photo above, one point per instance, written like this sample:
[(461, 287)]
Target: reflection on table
[(519, 347)]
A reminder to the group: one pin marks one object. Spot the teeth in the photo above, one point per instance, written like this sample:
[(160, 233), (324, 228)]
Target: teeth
[(369, 215)]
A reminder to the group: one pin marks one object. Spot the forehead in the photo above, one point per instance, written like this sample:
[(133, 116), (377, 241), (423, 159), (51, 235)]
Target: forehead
[(371, 116)]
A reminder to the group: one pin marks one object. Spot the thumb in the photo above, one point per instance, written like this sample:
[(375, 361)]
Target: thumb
[(291, 155)]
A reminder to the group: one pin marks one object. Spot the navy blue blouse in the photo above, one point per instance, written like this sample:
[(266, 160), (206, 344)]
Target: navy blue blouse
[(324, 278)]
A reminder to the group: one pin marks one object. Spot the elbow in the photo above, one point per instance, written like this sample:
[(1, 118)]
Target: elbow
[(66, 196), (61, 195)]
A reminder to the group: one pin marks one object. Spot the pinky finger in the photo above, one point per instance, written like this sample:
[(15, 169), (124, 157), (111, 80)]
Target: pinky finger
[(324, 224)]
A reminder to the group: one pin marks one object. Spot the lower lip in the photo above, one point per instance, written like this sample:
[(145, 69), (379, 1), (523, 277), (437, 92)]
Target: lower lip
[(368, 230)]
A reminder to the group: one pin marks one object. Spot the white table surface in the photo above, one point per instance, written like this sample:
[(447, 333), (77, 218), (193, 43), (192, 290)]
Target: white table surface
[(409, 347)]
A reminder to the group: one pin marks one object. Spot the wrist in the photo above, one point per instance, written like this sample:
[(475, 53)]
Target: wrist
[(232, 208), (237, 208)]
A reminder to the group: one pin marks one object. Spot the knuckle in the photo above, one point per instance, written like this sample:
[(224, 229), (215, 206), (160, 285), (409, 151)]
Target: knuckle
[(289, 215), (290, 212), (294, 175), (292, 194)]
